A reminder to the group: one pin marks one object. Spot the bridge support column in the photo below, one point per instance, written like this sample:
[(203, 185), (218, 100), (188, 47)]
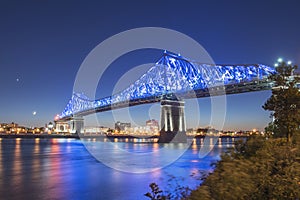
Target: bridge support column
[(172, 122), (76, 125)]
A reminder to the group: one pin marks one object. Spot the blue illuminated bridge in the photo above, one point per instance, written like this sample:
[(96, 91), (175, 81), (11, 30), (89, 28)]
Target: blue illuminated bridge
[(175, 78)]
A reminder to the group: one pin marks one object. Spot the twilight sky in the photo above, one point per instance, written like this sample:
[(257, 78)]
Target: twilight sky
[(43, 43)]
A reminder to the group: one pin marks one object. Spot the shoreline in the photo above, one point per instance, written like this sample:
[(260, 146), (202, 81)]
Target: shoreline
[(48, 136), (12, 136)]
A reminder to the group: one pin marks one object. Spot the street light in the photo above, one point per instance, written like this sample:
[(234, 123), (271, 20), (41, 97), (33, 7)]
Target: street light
[(276, 65), (289, 62), (279, 60)]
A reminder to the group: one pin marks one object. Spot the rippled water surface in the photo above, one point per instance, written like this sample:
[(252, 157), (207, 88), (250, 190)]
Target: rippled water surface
[(64, 169)]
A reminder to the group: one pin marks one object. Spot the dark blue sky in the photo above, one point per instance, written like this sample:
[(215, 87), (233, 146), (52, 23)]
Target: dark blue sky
[(43, 43)]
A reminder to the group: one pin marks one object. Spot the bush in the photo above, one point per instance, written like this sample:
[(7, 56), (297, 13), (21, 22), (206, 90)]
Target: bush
[(256, 169)]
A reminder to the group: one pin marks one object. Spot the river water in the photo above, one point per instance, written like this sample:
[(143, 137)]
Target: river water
[(65, 169)]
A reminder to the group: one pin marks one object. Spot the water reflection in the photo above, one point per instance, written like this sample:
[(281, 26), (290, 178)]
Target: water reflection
[(17, 165), (220, 143), (194, 146), (36, 162), (1, 164), (64, 169), (227, 145)]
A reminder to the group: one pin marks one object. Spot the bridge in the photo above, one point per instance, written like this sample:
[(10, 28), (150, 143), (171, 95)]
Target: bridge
[(171, 80)]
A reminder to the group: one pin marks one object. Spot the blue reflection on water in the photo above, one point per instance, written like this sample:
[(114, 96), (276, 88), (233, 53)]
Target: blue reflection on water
[(64, 169)]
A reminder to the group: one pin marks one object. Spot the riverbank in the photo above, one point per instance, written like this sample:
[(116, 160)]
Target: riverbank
[(46, 136), (49, 136), (101, 136), (260, 168), (110, 137)]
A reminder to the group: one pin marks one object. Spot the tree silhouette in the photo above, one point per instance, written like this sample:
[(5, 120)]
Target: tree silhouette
[(284, 102)]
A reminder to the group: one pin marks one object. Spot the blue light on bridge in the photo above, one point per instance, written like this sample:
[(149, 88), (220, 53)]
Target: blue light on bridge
[(173, 74)]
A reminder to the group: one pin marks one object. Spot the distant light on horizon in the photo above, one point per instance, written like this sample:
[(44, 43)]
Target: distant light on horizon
[(279, 60), (289, 62), (276, 65)]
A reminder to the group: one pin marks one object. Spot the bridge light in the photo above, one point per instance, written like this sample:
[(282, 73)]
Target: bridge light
[(279, 60), (289, 62), (56, 117)]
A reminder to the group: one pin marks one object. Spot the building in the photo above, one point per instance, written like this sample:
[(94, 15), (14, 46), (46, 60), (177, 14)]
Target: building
[(3, 127), (152, 123), (12, 128), (62, 127), (120, 126), (50, 126), (96, 130), (153, 126)]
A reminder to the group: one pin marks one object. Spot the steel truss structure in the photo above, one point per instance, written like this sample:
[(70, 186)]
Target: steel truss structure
[(174, 76)]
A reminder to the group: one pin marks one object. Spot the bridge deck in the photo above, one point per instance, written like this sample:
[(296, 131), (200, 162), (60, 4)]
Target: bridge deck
[(176, 75)]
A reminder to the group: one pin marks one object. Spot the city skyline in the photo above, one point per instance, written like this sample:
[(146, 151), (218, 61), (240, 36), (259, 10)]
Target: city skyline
[(44, 46)]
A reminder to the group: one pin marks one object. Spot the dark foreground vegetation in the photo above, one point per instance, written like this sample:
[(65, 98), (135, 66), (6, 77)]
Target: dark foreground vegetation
[(263, 167), (257, 169)]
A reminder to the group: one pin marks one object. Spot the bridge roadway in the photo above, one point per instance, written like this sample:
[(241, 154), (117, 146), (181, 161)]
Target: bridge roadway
[(257, 85), (171, 80)]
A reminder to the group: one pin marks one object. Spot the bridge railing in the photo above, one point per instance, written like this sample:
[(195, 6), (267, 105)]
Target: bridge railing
[(174, 74)]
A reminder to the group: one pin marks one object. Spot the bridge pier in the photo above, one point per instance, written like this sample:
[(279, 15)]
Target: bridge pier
[(172, 122), (76, 125)]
